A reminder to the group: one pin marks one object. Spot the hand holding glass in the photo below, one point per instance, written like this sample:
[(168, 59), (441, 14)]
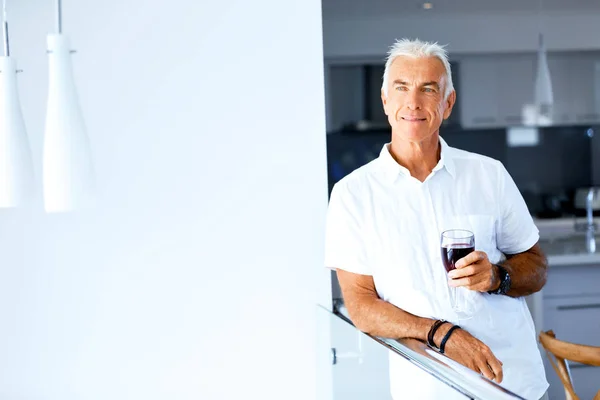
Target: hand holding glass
[(456, 244)]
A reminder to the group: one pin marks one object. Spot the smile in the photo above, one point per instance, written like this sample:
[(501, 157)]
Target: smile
[(413, 119)]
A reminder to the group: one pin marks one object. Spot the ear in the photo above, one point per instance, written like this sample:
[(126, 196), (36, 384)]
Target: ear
[(383, 101), (450, 104)]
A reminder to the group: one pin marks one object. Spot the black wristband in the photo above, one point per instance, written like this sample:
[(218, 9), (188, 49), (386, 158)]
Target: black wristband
[(445, 339), (432, 331)]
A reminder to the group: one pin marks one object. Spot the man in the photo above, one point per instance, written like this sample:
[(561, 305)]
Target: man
[(383, 238)]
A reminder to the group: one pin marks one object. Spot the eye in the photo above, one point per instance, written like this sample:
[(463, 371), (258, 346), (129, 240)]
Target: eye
[(429, 90), (401, 88)]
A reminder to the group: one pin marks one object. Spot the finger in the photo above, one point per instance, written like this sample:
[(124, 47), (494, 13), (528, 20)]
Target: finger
[(471, 258), (469, 282), (485, 370), (496, 366), (466, 271)]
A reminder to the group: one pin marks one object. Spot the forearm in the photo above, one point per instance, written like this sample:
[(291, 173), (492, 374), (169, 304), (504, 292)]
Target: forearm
[(381, 318), (528, 272)]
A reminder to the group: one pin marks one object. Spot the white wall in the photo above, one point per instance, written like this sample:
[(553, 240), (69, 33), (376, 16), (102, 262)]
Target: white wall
[(464, 33), (199, 270)]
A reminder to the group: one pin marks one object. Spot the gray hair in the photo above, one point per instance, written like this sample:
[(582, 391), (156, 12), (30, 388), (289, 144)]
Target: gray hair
[(418, 49)]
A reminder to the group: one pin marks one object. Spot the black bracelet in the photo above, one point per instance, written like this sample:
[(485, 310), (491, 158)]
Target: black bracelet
[(432, 331), (436, 324), (445, 339)]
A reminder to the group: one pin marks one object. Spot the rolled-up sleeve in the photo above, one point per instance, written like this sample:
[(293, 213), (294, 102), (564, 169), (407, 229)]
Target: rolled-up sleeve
[(345, 247), (516, 231)]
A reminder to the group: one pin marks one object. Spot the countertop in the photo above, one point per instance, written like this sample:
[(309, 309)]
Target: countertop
[(564, 245)]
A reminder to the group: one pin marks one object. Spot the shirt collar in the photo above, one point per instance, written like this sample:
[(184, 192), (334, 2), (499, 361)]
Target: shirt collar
[(392, 169), (446, 159)]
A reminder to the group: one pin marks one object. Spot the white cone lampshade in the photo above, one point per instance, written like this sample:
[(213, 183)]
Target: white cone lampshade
[(68, 173), (16, 169), (544, 99)]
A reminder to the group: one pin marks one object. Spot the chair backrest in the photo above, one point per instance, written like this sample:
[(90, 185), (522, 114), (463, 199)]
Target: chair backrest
[(562, 351)]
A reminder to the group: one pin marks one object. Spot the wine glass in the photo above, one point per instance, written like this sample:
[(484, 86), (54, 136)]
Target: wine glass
[(456, 244)]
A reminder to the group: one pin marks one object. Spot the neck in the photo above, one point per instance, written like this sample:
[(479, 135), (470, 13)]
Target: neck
[(420, 158)]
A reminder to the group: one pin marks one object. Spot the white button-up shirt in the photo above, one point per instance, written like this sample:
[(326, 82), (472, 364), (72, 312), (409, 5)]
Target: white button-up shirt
[(385, 223)]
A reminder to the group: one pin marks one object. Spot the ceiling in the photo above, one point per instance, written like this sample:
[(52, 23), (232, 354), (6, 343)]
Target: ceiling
[(378, 8)]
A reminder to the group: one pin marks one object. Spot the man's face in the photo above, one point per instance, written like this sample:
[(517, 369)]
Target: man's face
[(415, 103)]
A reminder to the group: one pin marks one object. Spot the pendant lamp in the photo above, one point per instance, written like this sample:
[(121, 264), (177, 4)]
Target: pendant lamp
[(543, 98), (16, 169), (68, 172)]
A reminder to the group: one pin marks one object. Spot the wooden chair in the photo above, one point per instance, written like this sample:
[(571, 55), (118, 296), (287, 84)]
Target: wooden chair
[(559, 352)]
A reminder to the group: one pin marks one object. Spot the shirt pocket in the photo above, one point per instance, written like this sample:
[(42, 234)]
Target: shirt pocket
[(483, 227)]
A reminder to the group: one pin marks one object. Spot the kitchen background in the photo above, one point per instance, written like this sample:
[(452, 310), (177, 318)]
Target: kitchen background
[(493, 47), (494, 70), (547, 171)]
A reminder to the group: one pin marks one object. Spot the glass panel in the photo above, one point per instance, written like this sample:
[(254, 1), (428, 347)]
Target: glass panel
[(360, 365)]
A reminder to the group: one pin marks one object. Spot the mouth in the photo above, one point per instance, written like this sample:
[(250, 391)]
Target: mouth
[(413, 119)]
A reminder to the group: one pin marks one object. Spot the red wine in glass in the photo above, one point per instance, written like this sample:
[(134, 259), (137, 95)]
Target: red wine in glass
[(454, 252), (456, 244)]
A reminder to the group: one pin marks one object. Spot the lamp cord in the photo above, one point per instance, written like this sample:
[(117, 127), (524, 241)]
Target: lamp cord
[(5, 30), (59, 16)]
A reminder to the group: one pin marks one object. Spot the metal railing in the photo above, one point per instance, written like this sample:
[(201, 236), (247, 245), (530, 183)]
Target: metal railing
[(462, 379)]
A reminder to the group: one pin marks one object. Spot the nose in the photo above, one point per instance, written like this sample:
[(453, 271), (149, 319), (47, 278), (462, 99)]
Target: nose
[(413, 100)]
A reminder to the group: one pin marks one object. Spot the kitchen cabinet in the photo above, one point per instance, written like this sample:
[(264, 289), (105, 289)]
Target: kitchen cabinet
[(574, 280), (560, 75), (585, 380), (574, 319), (478, 92), (575, 84), (583, 90), (571, 308), (494, 88), (516, 78)]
